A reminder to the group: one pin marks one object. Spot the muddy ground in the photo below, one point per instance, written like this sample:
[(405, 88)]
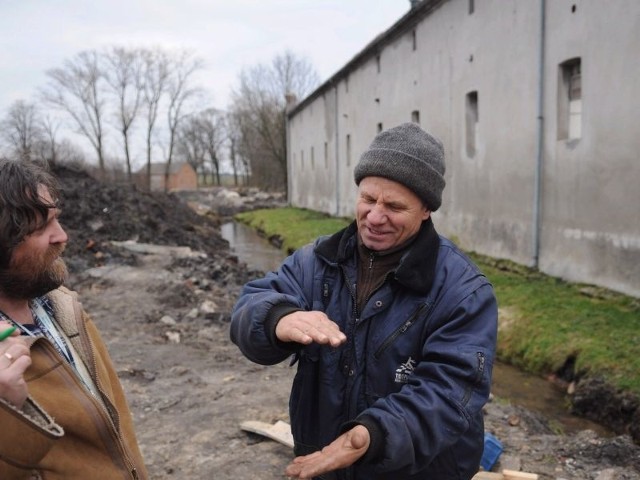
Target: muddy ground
[(160, 282)]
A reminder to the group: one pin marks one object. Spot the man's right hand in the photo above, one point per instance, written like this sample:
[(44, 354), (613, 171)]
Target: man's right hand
[(15, 358), (344, 451), (308, 327)]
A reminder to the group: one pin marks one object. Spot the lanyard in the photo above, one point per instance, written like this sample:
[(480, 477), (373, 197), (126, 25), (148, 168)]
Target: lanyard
[(43, 320), (45, 326)]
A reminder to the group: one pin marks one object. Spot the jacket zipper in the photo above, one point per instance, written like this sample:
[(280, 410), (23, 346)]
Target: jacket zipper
[(479, 373), (403, 328)]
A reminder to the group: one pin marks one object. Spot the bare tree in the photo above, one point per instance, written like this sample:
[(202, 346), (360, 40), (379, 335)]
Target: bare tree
[(179, 90), (77, 89), (200, 141), (48, 145), (21, 129), (70, 153), (212, 122), (239, 162), (189, 145), (124, 74), (260, 105), (156, 76)]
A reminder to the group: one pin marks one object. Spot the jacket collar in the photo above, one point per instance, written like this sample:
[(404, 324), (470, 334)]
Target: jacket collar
[(416, 270)]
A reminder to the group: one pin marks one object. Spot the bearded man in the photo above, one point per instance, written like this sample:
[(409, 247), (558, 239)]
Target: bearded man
[(63, 411)]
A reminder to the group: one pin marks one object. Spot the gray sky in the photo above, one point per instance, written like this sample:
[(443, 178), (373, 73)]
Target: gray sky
[(36, 35)]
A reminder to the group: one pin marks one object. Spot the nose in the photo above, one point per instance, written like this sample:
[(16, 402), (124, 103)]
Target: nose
[(58, 235), (377, 215)]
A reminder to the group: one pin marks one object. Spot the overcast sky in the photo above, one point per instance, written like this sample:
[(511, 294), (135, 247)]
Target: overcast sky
[(36, 35)]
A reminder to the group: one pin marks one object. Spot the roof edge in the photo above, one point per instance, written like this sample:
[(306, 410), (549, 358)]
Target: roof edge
[(402, 25)]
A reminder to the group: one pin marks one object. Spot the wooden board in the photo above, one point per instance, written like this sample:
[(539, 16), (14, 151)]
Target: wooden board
[(505, 475), (488, 476), (515, 475), (279, 431)]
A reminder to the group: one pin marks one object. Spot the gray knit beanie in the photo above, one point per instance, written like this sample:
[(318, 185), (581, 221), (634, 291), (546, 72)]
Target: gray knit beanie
[(410, 156)]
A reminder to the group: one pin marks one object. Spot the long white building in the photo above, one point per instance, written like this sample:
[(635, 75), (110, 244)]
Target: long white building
[(538, 105)]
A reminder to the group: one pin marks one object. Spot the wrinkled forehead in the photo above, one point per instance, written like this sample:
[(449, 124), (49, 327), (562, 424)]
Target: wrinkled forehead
[(387, 189)]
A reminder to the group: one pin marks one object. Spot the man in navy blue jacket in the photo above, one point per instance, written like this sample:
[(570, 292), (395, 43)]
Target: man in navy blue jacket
[(392, 327)]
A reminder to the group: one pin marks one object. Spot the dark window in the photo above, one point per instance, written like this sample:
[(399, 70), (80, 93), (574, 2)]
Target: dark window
[(570, 100), (472, 118)]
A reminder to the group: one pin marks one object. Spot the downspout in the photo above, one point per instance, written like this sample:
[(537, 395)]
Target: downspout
[(537, 197), (337, 133), (287, 143)]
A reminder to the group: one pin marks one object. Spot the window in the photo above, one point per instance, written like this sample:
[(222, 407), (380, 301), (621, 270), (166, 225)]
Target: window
[(472, 6), (348, 147), (570, 100), (379, 127), (313, 161), (326, 155), (378, 63), (414, 44), (415, 116), (301, 159), (472, 118)]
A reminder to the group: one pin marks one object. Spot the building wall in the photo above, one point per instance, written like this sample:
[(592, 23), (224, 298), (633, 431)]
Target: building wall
[(591, 200), (476, 81), (184, 178)]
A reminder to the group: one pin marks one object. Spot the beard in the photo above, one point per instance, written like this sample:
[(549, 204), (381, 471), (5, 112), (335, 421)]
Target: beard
[(35, 275)]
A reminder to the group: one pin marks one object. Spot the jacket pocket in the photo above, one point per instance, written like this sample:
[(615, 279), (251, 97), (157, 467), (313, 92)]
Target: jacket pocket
[(400, 331)]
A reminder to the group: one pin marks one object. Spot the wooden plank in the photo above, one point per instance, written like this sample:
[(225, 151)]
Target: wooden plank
[(505, 475), (279, 431), (515, 475), (488, 476)]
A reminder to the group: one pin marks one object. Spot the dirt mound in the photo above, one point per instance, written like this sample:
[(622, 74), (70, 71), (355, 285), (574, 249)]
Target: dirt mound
[(95, 213)]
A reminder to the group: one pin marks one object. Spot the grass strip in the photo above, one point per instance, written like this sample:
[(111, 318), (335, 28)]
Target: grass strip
[(545, 322)]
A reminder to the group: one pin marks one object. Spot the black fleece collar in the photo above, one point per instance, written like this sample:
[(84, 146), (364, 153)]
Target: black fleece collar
[(417, 266)]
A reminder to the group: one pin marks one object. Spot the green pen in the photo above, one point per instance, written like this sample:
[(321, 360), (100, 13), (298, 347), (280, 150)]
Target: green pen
[(7, 333)]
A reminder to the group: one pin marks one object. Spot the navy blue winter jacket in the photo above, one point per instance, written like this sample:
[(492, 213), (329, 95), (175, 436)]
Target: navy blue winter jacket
[(416, 367)]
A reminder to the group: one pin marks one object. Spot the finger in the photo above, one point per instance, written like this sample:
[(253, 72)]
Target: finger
[(19, 365), (303, 336), (6, 332), (14, 351), (334, 337), (4, 325), (311, 468)]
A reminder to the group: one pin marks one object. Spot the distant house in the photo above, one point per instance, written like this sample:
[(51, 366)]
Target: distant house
[(182, 176)]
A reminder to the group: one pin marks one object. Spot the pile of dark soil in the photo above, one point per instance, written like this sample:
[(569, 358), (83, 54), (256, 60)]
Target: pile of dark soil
[(95, 213)]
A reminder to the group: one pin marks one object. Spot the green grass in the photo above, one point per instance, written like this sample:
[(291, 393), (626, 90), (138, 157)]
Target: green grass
[(294, 226), (543, 320)]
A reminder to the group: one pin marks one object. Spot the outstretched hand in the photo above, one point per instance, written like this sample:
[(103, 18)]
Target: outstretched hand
[(341, 453), (309, 327)]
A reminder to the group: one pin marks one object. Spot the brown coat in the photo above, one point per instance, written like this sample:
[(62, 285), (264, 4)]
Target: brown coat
[(64, 431)]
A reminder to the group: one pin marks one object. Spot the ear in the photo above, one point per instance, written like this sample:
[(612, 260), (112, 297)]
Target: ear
[(426, 213)]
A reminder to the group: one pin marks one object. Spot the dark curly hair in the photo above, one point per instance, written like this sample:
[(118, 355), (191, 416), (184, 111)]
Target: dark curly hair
[(22, 211)]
